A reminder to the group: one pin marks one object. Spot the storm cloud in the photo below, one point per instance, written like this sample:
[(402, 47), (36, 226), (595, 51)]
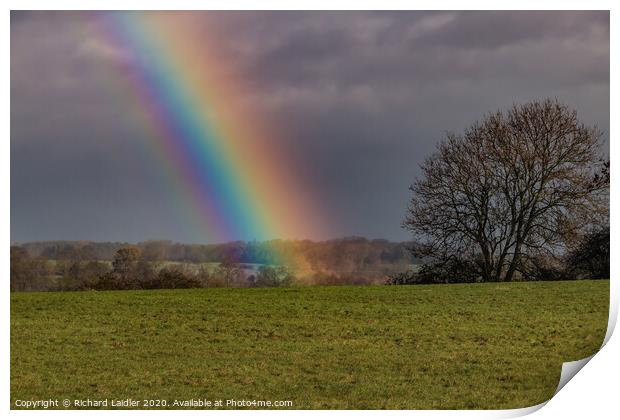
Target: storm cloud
[(363, 97)]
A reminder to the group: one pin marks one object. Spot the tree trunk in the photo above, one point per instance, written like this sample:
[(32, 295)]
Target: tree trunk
[(513, 264)]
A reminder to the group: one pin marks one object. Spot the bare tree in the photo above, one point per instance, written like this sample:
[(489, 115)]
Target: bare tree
[(125, 261), (516, 184), (228, 272)]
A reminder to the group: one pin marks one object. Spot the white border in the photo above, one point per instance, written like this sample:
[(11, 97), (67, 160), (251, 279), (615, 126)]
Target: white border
[(593, 393)]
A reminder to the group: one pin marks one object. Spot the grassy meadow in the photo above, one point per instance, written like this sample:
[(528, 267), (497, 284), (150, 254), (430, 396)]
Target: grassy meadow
[(492, 345)]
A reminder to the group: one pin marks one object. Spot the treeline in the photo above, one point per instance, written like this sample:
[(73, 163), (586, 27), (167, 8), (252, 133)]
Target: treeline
[(79, 266), (129, 271), (339, 254), (163, 264)]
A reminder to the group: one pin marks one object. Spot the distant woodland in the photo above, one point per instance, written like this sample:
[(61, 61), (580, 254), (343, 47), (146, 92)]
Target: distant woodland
[(82, 265)]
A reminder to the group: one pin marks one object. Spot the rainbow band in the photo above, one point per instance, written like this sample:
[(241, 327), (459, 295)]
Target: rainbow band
[(232, 173)]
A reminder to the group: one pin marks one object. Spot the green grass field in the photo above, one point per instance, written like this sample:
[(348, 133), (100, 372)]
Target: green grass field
[(494, 345)]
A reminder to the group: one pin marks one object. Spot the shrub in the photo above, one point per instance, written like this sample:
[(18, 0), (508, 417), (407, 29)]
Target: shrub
[(270, 276), (451, 271), (110, 281), (590, 259), (29, 273), (544, 267), (174, 278), (406, 277), (227, 274), (82, 275), (203, 276)]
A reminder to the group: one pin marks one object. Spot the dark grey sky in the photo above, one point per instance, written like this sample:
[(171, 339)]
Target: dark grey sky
[(365, 96)]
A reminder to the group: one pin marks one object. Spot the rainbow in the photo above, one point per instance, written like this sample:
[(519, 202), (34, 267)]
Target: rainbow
[(229, 169)]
